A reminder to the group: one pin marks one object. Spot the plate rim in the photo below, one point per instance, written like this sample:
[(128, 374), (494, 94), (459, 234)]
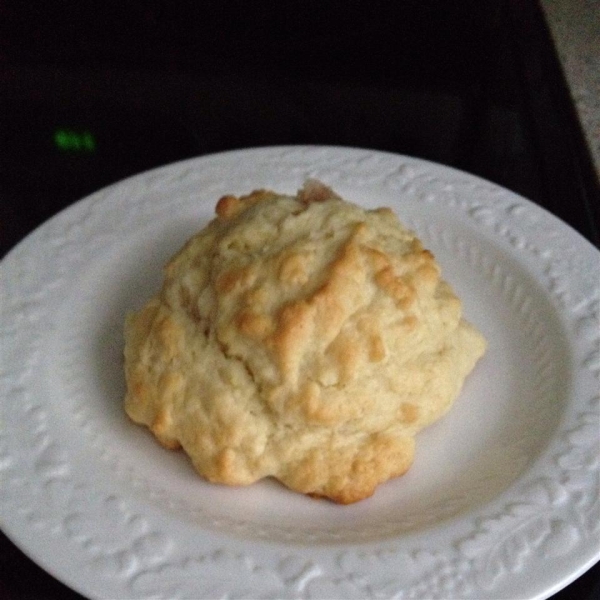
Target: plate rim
[(109, 192)]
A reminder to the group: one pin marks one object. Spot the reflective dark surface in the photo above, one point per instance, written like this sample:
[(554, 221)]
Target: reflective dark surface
[(470, 84), (88, 97)]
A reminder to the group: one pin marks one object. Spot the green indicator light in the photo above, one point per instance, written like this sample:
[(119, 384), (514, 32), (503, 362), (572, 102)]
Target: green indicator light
[(69, 140), (89, 143), (61, 139)]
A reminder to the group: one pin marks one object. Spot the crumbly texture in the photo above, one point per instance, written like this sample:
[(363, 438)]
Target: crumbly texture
[(303, 338)]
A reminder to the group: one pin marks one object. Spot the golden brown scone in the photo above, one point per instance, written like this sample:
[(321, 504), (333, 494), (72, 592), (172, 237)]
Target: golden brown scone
[(303, 338)]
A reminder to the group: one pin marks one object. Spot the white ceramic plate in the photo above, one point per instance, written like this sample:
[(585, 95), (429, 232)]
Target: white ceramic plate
[(501, 502)]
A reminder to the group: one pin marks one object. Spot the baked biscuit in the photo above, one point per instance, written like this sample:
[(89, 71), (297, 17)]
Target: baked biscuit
[(303, 338)]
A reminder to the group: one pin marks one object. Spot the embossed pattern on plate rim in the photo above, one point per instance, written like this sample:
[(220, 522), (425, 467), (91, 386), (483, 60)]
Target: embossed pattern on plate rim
[(552, 518)]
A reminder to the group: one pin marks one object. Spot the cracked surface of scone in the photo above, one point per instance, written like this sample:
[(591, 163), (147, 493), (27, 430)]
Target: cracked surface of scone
[(299, 337)]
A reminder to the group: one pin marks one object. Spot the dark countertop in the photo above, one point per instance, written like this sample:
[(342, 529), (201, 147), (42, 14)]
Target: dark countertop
[(575, 29)]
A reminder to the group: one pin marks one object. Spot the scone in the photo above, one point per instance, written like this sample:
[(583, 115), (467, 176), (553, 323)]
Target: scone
[(302, 338)]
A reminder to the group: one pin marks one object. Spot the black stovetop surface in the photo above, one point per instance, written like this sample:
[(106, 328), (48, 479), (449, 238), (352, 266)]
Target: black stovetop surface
[(89, 96)]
